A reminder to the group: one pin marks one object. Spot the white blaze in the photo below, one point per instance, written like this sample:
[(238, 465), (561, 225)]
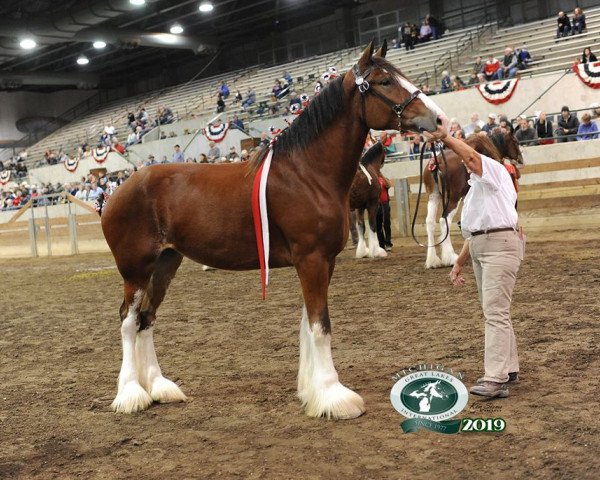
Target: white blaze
[(430, 104)]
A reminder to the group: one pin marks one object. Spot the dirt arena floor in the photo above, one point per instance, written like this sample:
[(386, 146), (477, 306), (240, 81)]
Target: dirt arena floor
[(236, 357)]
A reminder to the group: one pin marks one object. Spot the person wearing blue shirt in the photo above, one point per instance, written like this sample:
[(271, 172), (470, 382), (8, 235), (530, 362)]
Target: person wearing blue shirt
[(587, 130), (178, 156)]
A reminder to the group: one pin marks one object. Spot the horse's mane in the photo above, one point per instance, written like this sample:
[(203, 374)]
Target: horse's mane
[(373, 154), (484, 145), (498, 137)]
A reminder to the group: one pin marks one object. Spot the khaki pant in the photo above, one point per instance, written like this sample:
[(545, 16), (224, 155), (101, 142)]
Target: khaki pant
[(496, 259)]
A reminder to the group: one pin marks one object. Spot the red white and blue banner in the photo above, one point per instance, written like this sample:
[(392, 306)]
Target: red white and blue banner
[(71, 164), (216, 133), (100, 153), (588, 73), (499, 91), (4, 177)]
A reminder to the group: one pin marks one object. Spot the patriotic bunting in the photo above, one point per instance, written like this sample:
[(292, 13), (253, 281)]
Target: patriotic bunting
[(4, 177), (216, 133), (71, 164), (499, 91), (588, 73), (100, 153)]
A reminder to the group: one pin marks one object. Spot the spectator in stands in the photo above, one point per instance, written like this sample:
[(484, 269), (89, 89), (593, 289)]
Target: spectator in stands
[(395, 43), (588, 130), (578, 21), (425, 32), (491, 68), (134, 137), (414, 148), (264, 140), (220, 103), (250, 99), (564, 25), (294, 99), (475, 123), (202, 158), (224, 90), (478, 66), (588, 56), (446, 84), (151, 161), (117, 147), (95, 191), (213, 153), (595, 110), (460, 135), (523, 58), (491, 124), (178, 156), (526, 135), (164, 115), (287, 77), (474, 79), (406, 36), (164, 159), (504, 122), (276, 90), (508, 66), (543, 127), (244, 155), (131, 120), (81, 193), (456, 83), (163, 135), (435, 27), (233, 155), (237, 123), (454, 127), (143, 117), (567, 125), (238, 96)]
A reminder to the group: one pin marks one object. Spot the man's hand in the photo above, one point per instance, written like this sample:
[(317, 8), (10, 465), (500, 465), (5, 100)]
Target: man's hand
[(455, 275)]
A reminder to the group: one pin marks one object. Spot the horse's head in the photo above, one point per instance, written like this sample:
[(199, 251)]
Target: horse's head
[(389, 99), (508, 145)]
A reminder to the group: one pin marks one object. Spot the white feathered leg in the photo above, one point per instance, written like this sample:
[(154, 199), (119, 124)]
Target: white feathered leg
[(319, 389), (432, 261), (375, 250), (361, 248), (161, 389), (449, 256)]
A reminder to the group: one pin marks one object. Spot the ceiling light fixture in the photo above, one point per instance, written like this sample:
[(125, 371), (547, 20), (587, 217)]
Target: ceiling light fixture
[(99, 44), (82, 60), (176, 29), (28, 43), (206, 7), (137, 3)]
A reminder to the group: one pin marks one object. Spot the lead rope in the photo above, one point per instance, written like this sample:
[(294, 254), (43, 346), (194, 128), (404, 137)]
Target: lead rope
[(445, 191)]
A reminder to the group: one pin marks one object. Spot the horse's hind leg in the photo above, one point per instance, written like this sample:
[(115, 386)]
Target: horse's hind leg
[(432, 261), (449, 256), (361, 248), (150, 375), (375, 249)]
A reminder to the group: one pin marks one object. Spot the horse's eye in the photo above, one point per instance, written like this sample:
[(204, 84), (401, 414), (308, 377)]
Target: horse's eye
[(386, 83)]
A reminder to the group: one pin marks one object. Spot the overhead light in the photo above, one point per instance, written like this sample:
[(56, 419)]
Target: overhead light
[(137, 3), (28, 43), (99, 44), (82, 60), (206, 7), (176, 29)]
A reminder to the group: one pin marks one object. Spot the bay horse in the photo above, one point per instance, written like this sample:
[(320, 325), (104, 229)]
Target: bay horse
[(364, 195), (499, 145), (204, 212)]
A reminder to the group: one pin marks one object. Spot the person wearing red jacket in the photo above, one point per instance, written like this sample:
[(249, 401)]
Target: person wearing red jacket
[(491, 68)]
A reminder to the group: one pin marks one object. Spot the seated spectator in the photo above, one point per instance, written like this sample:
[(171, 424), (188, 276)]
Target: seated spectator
[(294, 99), (595, 110), (526, 135), (151, 161), (523, 58), (578, 21), (454, 127), (238, 97), (163, 135), (117, 147), (214, 154), (264, 140), (587, 130), (474, 123), (425, 32), (478, 66), (220, 103), (178, 156), (202, 158), (164, 115), (567, 125), (564, 25), (405, 34), (81, 193), (491, 124), (474, 79), (224, 90), (164, 159), (460, 135), (446, 85), (277, 89), (143, 117), (414, 149), (395, 43), (425, 89), (250, 99), (543, 127), (95, 191), (504, 123), (508, 66), (435, 27), (588, 56), (134, 137), (244, 156), (491, 68), (456, 83), (237, 123), (233, 156), (287, 77), (131, 120), (172, 134)]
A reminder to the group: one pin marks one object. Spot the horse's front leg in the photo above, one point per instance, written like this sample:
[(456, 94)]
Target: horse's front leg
[(319, 389)]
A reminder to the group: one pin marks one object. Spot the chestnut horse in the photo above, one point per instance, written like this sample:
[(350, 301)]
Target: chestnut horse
[(364, 195), (499, 145), (204, 212)]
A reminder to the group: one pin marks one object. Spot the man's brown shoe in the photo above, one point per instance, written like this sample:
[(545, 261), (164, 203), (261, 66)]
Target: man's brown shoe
[(490, 389), (513, 377)]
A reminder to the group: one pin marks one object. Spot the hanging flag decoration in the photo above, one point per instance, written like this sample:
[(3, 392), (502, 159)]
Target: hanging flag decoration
[(4, 177), (216, 133), (588, 73), (100, 153), (71, 164), (295, 109), (305, 99), (499, 91)]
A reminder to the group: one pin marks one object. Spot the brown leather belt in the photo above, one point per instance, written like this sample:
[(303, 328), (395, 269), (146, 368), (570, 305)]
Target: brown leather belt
[(492, 230)]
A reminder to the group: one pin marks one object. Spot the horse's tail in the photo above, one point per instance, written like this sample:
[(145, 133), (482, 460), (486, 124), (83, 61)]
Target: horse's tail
[(101, 202)]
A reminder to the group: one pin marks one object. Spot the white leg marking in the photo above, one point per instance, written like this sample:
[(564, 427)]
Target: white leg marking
[(319, 389), (205, 268), (361, 248), (449, 256), (161, 389), (432, 260), (375, 250), (131, 397)]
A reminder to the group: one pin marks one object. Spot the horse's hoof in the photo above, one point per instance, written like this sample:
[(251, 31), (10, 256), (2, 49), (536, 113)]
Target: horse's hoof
[(379, 253), (335, 402), (165, 391), (433, 263), (132, 398)]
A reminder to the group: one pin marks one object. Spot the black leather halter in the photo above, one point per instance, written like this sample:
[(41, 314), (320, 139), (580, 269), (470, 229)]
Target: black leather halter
[(364, 87)]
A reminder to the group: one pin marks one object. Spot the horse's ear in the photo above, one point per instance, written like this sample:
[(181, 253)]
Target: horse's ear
[(365, 58), (382, 50)]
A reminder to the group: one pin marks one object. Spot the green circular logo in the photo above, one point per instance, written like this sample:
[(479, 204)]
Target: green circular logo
[(430, 397)]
